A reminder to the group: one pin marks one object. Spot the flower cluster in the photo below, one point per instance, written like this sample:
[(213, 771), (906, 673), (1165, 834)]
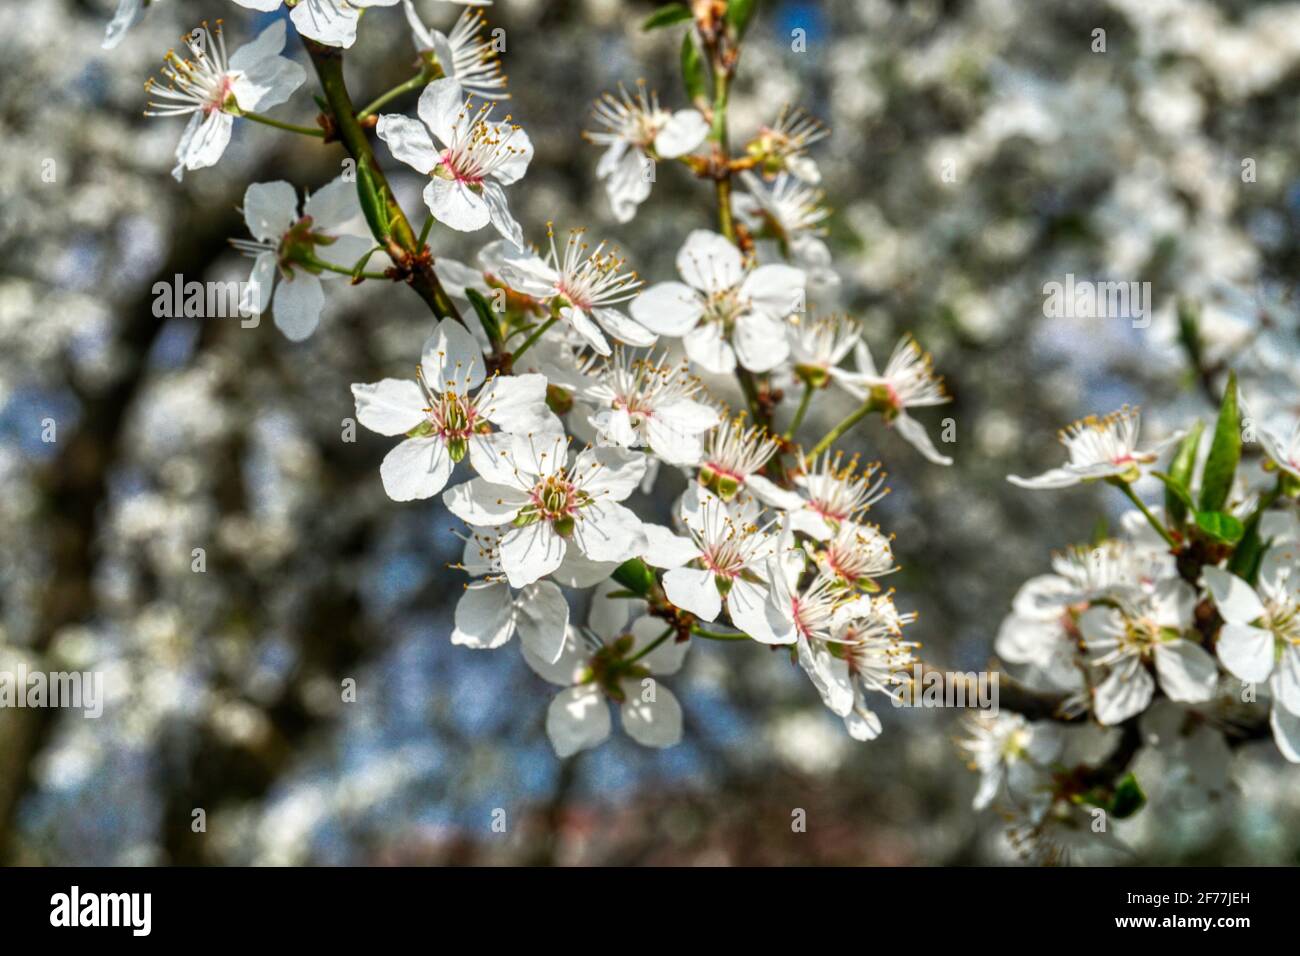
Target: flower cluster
[(1188, 621), (563, 385)]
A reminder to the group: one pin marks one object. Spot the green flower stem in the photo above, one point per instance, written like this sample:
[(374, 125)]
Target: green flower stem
[(280, 124), (800, 412), (668, 632), (424, 233), (401, 244), (319, 263), (414, 83), (1127, 488), (718, 635), (836, 433), (537, 334)]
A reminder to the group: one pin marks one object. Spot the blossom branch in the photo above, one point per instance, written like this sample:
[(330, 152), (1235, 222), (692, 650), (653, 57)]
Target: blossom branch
[(401, 244)]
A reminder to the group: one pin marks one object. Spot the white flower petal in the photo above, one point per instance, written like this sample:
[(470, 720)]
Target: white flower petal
[(452, 360), (692, 589), (607, 531), (914, 433), (331, 22), (1187, 672), (203, 141), (542, 615), (684, 131), (456, 205), (1246, 651), (1286, 733), (620, 327), (1055, 478), (530, 553), (415, 469), (485, 616), (441, 108), (667, 550), (1235, 599), (610, 474), (667, 657), (296, 305), (499, 214), (577, 719), (408, 141), (270, 209), (1286, 679), (333, 205), (775, 290), (651, 723), (1121, 696), (483, 504), (760, 342), (668, 308), (392, 406), (706, 347), (709, 262)]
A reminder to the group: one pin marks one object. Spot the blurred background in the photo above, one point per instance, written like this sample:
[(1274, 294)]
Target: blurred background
[(174, 434)]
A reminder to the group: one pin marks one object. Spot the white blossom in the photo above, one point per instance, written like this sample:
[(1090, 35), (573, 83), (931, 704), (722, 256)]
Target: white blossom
[(212, 89), (613, 662), (474, 157), (1260, 639), (637, 132), (444, 418), (286, 244), (551, 503), (1100, 448), (723, 311)]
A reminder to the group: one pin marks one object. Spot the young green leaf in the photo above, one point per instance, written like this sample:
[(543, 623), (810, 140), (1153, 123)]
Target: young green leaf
[(692, 68), (485, 315), (1220, 526), (373, 205), (1225, 451), (739, 15), (1178, 483), (1129, 798), (666, 15)]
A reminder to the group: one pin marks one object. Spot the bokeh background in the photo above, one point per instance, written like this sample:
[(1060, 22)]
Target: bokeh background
[(180, 433)]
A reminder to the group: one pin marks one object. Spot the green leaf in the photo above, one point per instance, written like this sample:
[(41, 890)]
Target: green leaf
[(1129, 798), (635, 575), (1225, 451), (666, 15), (1178, 499), (373, 205), (739, 14), (1244, 562), (485, 315), (1220, 526), (692, 68), (1178, 483)]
